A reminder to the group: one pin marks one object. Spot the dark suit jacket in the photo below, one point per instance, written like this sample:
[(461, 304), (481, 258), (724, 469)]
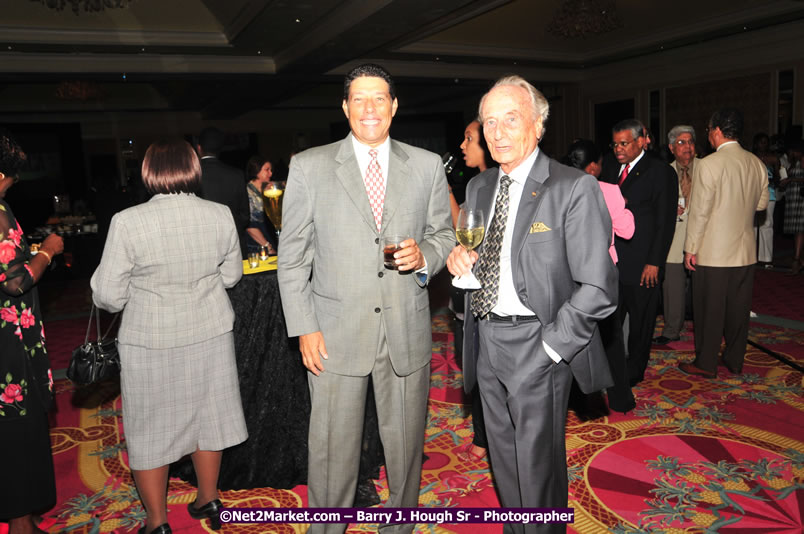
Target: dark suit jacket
[(651, 193), (224, 184), (563, 273)]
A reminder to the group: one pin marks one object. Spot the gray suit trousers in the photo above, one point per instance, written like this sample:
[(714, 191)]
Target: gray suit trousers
[(525, 395), (336, 430), (674, 293)]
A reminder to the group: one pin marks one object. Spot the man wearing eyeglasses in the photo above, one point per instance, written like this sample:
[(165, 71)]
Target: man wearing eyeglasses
[(729, 187), (649, 187), (681, 141)]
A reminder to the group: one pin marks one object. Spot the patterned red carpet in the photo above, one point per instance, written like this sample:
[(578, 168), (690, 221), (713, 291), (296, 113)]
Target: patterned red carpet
[(697, 455)]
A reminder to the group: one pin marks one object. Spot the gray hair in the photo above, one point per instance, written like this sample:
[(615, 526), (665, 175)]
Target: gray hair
[(679, 129), (634, 126), (540, 108)]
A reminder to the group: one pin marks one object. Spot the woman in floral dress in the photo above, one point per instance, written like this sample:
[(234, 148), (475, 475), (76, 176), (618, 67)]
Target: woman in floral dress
[(25, 380)]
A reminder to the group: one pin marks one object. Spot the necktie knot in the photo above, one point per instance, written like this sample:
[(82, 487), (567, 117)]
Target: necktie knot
[(373, 153)]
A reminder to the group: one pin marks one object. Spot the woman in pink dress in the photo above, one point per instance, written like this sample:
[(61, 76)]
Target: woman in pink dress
[(585, 155)]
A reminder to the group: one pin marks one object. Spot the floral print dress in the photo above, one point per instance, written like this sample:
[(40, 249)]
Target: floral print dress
[(25, 375)]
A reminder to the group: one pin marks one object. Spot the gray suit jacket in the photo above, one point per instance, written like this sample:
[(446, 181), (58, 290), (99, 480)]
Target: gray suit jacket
[(331, 273), (166, 263), (560, 263)]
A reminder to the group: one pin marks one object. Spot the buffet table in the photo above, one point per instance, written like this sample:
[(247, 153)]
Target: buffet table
[(276, 401)]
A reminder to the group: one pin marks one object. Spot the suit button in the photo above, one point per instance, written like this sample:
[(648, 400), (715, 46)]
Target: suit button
[(376, 240), (380, 274), (376, 310)]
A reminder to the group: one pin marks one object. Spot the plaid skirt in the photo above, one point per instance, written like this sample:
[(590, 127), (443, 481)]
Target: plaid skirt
[(179, 400), (794, 208)]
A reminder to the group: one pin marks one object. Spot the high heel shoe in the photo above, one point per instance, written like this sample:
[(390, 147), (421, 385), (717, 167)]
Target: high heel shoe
[(164, 528), (211, 510)]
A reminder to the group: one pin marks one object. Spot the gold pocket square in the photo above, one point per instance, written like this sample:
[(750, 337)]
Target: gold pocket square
[(539, 227)]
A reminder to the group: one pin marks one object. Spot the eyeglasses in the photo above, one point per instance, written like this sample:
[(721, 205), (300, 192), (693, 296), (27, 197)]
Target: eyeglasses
[(682, 142), (621, 144)]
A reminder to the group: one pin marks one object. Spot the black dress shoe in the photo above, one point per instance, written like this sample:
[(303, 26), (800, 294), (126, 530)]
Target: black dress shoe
[(723, 363), (164, 528), (664, 340), (211, 510), (692, 369), (624, 407)]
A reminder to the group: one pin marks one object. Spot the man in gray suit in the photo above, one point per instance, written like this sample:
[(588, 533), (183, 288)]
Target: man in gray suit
[(547, 278), (354, 317)]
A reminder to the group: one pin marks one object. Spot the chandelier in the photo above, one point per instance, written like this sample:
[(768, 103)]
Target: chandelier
[(87, 5), (579, 18), (78, 90)]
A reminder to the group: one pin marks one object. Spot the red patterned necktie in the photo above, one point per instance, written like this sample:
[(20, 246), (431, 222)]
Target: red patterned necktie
[(375, 187), (624, 175)]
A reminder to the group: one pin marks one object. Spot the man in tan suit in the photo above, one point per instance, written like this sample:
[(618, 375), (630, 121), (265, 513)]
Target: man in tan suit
[(728, 187), (681, 141)]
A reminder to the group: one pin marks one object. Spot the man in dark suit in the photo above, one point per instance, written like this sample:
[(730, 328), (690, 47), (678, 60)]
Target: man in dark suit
[(649, 187), (223, 183), (547, 278)]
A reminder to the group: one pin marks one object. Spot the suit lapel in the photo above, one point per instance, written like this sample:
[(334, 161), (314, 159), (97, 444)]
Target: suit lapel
[(348, 173), (529, 203), (397, 179), (635, 172)]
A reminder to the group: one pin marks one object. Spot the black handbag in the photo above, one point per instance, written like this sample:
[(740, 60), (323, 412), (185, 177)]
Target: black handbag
[(95, 361)]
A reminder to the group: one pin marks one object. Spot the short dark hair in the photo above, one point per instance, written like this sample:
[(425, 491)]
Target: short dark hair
[(254, 166), (368, 69), (211, 140), (636, 127), (12, 157), (581, 153), (171, 167), (730, 122)]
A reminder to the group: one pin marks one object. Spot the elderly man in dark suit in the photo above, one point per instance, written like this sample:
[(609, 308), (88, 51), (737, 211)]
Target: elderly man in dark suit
[(547, 279), (223, 183), (354, 317), (649, 186)]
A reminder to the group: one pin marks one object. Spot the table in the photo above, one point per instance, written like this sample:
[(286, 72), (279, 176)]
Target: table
[(276, 401)]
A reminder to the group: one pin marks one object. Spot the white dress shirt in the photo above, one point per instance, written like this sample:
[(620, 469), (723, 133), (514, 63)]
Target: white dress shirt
[(630, 165), (383, 156), (363, 158), (508, 302)]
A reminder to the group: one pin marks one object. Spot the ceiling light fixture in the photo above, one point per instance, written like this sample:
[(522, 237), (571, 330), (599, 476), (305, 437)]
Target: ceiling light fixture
[(79, 90), (580, 18), (89, 6)]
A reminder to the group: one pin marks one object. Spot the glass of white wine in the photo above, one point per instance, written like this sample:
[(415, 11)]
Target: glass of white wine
[(470, 230)]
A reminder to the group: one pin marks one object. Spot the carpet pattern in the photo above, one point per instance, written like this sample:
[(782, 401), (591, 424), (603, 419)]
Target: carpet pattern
[(724, 455)]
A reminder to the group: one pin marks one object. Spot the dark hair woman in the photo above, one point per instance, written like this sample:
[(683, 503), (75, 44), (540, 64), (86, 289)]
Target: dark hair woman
[(166, 265), (583, 154), (259, 232), (26, 383)]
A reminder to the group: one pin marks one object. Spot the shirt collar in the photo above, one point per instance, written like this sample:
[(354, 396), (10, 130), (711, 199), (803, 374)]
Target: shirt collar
[(633, 163), (726, 143), (382, 150), (520, 173)]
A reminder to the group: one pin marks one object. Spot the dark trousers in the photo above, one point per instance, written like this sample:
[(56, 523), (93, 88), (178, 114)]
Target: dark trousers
[(478, 424), (721, 300), (641, 304), (611, 332)]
